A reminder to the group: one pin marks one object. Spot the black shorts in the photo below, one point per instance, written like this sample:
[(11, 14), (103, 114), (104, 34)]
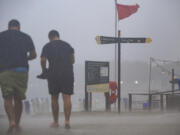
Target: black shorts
[(63, 83)]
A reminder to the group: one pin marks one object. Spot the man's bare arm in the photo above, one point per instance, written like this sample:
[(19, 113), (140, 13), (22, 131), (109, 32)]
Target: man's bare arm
[(32, 54), (43, 64)]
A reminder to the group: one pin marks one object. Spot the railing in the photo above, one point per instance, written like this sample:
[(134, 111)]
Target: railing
[(161, 94), (36, 106)]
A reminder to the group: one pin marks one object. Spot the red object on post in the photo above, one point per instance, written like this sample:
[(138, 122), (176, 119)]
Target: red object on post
[(126, 10), (113, 91)]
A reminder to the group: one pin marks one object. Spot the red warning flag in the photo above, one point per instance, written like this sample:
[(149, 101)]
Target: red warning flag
[(126, 10)]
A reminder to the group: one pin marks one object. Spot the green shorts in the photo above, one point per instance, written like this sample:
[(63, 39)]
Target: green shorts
[(13, 84)]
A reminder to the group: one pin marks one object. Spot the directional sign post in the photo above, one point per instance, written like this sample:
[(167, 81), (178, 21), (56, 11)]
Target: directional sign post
[(119, 40)]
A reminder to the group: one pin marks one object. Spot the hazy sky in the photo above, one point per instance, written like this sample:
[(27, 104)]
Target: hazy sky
[(79, 21)]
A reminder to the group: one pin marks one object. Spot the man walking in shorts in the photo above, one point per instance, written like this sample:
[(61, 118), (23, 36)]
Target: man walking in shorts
[(16, 49), (60, 56)]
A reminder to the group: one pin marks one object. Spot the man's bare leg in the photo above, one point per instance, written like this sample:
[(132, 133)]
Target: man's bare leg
[(55, 110), (8, 104), (18, 111), (67, 109)]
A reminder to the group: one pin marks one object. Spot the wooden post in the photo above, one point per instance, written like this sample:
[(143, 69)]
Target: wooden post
[(90, 101), (167, 101), (86, 104), (150, 101), (107, 105), (161, 102), (173, 81), (130, 102)]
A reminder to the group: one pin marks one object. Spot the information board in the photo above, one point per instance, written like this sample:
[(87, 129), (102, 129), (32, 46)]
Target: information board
[(97, 76)]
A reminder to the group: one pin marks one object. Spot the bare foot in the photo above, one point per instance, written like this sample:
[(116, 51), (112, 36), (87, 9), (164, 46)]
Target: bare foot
[(67, 125), (54, 125), (18, 128), (11, 127)]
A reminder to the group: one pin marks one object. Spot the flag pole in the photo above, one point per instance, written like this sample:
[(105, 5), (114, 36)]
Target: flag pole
[(115, 62), (119, 60), (119, 74)]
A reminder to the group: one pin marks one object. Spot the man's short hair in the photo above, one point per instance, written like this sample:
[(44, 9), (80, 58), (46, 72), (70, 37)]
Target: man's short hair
[(53, 33), (14, 23)]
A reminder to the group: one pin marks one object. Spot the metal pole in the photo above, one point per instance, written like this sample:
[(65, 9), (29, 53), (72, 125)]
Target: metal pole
[(115, 44), (173, 81), (86, 93), (119, 74), (130, 102), (150, 66)]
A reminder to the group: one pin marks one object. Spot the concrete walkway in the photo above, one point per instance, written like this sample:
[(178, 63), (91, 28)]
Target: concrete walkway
[(102, 123)]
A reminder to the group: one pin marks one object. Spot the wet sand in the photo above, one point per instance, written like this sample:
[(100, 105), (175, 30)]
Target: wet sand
[(101, 123)]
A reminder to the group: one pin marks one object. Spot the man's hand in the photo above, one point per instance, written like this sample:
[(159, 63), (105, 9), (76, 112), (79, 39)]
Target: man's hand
[(43, 75), (32, 54)]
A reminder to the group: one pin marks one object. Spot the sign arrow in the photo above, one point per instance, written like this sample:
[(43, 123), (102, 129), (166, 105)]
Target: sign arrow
[(111, 40)]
